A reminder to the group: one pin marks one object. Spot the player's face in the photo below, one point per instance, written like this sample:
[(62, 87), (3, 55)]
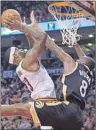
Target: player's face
[(18, 56)]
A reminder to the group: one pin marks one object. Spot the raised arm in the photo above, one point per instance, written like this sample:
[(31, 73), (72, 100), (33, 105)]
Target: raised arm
[(69, 63), (29, 35), (79, 51), (83, 59), (34, 53), (64, 57), (32, 32)]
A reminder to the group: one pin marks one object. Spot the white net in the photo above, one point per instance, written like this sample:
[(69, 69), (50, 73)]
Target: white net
[(68, 20)]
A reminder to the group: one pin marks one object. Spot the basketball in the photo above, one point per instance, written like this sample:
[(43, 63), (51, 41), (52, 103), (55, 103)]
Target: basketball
[(12, 14)]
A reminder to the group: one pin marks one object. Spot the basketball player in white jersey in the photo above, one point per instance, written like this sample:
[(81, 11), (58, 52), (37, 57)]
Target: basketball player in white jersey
[(29, 68)]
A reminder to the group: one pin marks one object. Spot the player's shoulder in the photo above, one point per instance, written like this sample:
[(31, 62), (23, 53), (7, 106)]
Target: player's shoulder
[(87, 62), (83, 67), (90, 63)]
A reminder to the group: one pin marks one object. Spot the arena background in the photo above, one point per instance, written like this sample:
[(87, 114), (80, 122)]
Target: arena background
[(12, 90)]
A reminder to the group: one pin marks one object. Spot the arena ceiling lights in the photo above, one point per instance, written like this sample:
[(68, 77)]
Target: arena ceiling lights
[(90, 35)]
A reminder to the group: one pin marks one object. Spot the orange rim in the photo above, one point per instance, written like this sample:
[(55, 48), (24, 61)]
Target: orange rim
[(80, 14), (57, 4)]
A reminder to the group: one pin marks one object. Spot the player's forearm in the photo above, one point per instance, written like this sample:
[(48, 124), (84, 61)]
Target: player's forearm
[(79, 51), (29, 35), (33, 34), (38, 48), (8, 110), (35, 52), (18, 109), (63, 56), (30, 39)]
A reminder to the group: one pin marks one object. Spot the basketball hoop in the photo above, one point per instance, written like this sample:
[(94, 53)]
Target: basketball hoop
[(68, 20)]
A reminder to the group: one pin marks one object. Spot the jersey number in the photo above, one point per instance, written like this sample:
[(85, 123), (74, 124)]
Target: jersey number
[(28, 84), (83, 88)]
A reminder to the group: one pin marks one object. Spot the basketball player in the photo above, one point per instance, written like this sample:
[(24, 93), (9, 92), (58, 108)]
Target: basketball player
[(30, 70), (65, 114)]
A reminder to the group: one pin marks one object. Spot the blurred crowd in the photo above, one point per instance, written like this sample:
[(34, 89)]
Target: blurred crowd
[(14, 91), (24, 8)]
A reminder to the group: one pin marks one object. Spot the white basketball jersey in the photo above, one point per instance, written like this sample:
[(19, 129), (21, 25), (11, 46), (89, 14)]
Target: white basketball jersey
[(39, 83)]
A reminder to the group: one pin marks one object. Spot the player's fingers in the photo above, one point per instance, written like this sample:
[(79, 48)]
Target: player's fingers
[(6, 25), (10, 28), (16, 21), (32, 17), (8, 19), (32, 13), (8, 22)]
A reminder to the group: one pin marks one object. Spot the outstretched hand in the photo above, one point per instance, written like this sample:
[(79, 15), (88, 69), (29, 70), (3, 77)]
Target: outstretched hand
[(33, 19), (13, 24)]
